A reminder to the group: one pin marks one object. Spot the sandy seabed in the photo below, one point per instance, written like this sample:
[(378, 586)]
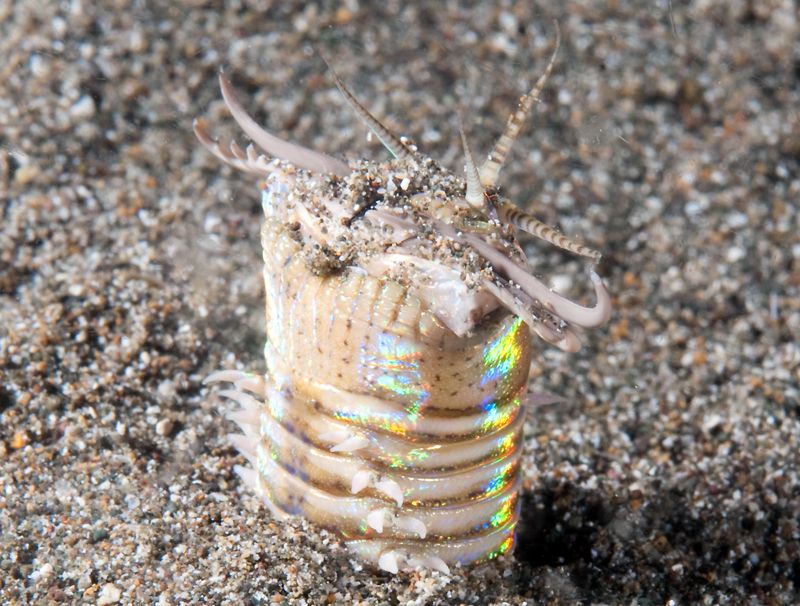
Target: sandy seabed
[(668, 138)]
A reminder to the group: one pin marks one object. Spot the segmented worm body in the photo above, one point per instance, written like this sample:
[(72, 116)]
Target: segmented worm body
[(399, 315)]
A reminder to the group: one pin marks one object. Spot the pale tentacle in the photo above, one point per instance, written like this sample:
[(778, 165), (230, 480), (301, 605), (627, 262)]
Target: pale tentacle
[(510, 302), (390, 141), (232, 154), (490, 169), (586, 317), (565, 340), (298, 155), (519, 218)]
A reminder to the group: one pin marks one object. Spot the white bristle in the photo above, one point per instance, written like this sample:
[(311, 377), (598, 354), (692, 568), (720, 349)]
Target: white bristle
[(388, 561)]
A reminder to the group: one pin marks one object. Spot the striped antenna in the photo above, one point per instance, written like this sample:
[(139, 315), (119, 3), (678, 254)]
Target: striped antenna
[(529, 224), (390, 141), (490, 169)]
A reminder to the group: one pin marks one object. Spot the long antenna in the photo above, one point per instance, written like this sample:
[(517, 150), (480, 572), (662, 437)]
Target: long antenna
[(390, 141), (490, 169)]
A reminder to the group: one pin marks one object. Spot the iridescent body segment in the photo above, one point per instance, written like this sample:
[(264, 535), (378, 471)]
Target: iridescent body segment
[(399, 317)]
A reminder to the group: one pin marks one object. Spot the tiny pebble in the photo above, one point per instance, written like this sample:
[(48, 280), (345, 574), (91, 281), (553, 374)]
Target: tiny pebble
[(109, 594), (83, 109), (164, 427), (27, 174)]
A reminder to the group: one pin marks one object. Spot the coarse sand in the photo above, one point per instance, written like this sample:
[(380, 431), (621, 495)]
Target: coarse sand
[(668, 137)]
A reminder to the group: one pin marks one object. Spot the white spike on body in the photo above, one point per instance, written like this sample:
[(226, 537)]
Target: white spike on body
[(393, 560), (335, 436), (389, 561), (409, 524), (365, 478), (392, 490), (361, 480), (350, 444), (376, 518), (247, 420), (431, 562)]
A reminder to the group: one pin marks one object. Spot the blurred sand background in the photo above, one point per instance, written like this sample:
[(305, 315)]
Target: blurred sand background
[(668, 137)]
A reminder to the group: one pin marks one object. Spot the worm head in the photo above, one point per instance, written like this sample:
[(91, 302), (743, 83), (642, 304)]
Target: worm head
[(450, 239)]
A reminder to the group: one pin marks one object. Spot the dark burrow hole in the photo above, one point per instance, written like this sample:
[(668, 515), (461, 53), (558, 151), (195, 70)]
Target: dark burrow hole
[(558, 526)]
